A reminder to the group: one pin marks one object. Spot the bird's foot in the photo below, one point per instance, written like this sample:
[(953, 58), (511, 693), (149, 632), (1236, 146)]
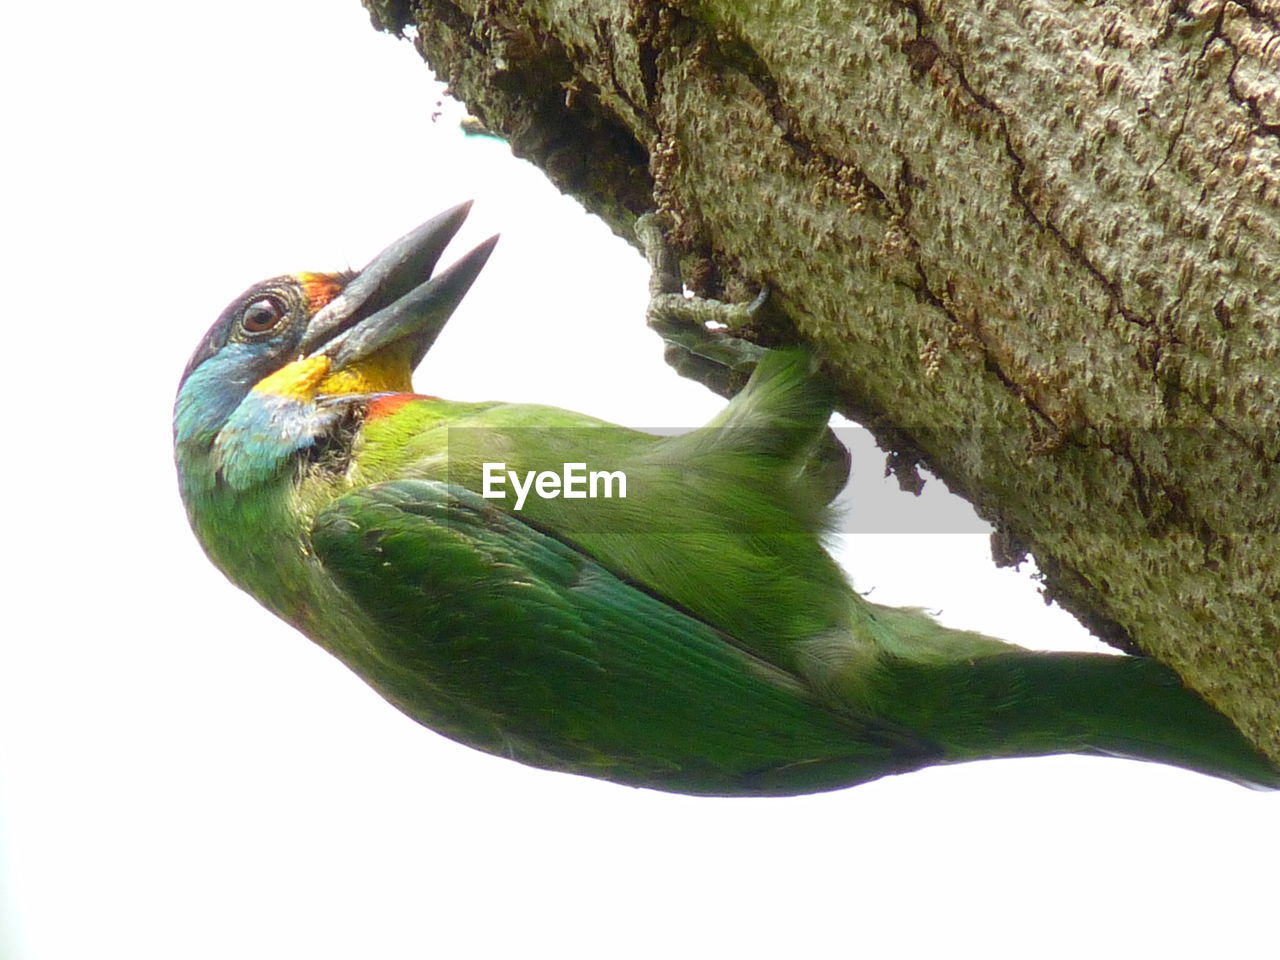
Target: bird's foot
[(695, 328)]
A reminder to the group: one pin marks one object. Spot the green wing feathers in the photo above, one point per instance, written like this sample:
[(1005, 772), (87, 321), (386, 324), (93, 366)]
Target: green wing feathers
[(597, 675)]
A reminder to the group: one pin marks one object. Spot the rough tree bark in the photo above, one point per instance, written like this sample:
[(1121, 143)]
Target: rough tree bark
[(1037, 244)]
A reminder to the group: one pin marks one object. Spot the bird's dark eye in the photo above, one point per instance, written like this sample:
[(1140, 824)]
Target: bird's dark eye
[(262, 315)]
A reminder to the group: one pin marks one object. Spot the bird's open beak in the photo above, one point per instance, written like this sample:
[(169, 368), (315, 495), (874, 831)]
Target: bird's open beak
[(378, 329)]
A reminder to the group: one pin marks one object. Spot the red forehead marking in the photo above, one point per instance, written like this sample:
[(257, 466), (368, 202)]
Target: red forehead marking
[(320, 288), (389, 403)]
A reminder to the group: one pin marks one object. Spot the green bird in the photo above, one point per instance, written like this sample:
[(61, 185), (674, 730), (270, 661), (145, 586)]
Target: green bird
[(545, 586)]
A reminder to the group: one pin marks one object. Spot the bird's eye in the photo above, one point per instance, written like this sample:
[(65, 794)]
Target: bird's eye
[(262, 315)]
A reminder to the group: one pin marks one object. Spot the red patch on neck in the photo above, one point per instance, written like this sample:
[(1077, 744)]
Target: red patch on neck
[(389, 403)]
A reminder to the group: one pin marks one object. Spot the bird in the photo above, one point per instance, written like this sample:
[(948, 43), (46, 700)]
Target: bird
[(656, 611)]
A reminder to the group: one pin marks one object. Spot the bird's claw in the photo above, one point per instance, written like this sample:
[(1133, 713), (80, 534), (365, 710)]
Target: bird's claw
[(694, 328)]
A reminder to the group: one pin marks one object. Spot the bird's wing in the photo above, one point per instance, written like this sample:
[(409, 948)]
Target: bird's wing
[(709, 521), (580, 669)]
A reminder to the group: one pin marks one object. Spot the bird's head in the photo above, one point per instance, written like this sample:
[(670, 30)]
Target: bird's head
[(254, 390)]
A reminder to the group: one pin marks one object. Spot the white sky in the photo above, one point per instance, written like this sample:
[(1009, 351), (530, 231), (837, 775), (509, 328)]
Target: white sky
[(183, 776)]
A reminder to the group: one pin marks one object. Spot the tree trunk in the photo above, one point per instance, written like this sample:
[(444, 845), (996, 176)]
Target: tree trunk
[(1037, 244)]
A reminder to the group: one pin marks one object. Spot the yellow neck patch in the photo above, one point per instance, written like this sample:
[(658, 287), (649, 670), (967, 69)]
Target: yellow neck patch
[(298, 380), (386, 371)]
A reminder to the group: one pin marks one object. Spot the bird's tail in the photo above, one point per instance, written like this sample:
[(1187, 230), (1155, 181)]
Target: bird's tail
[(1032, 703)]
